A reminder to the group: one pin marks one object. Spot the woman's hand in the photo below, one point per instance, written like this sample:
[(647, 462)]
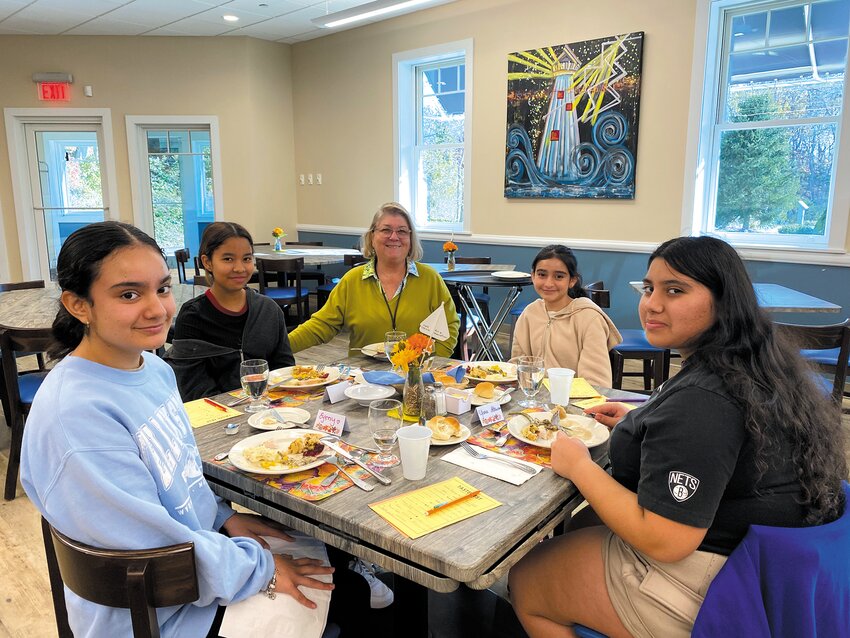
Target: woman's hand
[(608, 414), (292, 572), (254, 527), (567, 453)]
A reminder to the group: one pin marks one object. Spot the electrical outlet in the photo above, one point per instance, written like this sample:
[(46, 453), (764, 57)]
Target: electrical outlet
[(310, 178), (301, 179), (319, 179)]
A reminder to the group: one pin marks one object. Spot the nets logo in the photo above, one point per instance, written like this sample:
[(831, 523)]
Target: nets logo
[(682, 486)]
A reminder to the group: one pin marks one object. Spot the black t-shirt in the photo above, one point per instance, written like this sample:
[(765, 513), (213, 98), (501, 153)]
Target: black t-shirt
[(215, 324), (687, 455)]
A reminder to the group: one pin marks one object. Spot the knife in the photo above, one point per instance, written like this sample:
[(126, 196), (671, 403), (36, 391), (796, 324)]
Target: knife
[(342, 452), (363, 485)]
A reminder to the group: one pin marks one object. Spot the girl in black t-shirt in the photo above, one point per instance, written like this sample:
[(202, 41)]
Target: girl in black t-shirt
[(740, 436)]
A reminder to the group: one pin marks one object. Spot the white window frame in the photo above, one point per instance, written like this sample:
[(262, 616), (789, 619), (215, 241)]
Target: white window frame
[(702, 155), (405, 125), (137, 151)]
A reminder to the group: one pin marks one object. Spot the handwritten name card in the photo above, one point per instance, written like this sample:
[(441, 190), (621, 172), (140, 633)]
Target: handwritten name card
[(329, 422)]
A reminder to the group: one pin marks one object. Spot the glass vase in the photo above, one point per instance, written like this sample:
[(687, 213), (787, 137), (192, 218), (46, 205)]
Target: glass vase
[(414, 390), (278, 244), (450, 260)]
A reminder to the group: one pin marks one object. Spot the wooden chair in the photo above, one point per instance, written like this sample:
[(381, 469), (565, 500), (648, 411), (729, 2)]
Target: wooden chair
[(139, 580), (324, 291), (181, 255), (825, 347), (317, 275), (286, 296), (20, 389)]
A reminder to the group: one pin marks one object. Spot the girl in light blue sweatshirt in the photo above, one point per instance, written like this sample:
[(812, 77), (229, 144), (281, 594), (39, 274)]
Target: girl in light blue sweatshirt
[(108, 454)]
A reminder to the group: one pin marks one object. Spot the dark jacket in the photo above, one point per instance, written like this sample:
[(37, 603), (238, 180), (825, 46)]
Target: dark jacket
[(203, 368)]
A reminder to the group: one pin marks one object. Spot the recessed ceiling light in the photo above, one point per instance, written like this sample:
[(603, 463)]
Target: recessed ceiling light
[(230, 18)]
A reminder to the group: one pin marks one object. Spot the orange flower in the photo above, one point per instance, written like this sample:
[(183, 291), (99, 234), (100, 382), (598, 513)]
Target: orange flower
[(449, 247), (419, 342), (410, 351), (278, 232)]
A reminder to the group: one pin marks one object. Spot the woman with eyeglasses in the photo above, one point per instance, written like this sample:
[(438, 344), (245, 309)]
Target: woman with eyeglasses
[(389, 292)]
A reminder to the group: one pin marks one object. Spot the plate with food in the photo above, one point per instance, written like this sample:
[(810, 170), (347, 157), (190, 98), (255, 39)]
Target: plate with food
[(295, 377), (541, 432), (510, 274), (266, 420), (447, 430), (375, 350), (485, 392), (283, 452), (492, 371)]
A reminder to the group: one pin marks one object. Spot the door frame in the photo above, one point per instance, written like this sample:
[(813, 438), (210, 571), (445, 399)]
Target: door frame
[(140, 182), (15, 119)]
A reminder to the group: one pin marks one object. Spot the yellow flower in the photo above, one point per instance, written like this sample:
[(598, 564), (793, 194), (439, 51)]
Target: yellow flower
[(449, 247), (278, 232), (412, 350)]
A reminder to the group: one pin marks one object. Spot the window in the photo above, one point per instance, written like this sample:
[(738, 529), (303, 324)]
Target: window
[(433, 105), (773, 104)]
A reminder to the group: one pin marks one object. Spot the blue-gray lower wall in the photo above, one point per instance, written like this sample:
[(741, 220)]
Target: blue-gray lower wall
[(616, 269)]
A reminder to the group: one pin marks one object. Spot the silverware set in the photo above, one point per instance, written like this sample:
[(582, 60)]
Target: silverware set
[(466, 447)]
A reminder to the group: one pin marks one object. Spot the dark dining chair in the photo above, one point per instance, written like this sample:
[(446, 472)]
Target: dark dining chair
[(323, 292), (20, 389), (296, 295), (181, 256), (825, 347), (140, 580)]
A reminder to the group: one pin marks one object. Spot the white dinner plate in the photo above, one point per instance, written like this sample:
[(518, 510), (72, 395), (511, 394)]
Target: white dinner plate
[(375, 350), (282, 378), (365, 393), (510, 274), (499, 396), (282, 439), (265, 420), (465, 432), (596, 432), (509, 370)]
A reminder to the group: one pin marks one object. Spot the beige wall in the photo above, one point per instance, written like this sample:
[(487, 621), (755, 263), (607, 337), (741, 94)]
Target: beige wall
[(244, 81), (344, 109)]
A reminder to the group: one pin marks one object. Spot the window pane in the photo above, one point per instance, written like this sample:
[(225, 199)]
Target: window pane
[(82, 176), (830, 19), (748, 31), (440, 184), (168, 226), (178, 141), (200, 140), (157, 141), (448, 79), (775, 180), (787, 26), (442, 123), (431, 82)]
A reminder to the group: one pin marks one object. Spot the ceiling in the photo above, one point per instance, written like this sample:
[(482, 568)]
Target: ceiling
[(278, 20)]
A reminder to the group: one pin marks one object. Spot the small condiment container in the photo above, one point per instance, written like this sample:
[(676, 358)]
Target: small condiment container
[(231, 428)]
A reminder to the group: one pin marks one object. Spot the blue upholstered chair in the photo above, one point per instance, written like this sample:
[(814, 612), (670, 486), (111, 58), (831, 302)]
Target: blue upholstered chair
[(295, 295), (20, 389), (825, 347), (656, 361)]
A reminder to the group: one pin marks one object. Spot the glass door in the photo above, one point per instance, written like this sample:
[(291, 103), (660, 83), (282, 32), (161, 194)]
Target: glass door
[(66, 171)]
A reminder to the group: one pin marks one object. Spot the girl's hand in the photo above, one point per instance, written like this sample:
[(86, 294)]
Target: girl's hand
[(294, 572), (608, 414), (567, 453), (254, 527)]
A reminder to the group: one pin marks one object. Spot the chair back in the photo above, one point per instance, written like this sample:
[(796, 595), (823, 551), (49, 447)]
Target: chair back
[(181, 256), (303, 243), (598, 294), (22, 285), (824, 338), (12, 340), (354, 260), (287, 269), (139, 580)]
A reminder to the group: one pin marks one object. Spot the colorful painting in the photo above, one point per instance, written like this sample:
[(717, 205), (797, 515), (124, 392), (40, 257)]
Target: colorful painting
[(573, 119)]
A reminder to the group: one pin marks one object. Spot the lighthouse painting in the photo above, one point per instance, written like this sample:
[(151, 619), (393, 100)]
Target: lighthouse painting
[(573, 119)]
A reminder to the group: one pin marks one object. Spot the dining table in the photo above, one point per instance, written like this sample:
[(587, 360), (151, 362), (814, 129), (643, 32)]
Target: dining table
[(312, 255), (474, 553)]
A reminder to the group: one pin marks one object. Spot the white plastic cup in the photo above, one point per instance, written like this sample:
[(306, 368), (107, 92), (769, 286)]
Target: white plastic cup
[(560, 381), (414, 442)]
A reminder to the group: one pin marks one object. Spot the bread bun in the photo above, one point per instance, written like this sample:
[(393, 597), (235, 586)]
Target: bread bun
[(485, 390), (444, 428)]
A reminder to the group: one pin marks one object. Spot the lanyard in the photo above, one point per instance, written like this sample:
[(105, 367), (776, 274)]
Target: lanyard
[(397, 303)]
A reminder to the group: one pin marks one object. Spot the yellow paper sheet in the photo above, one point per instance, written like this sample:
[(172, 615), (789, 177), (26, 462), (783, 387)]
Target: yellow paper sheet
[(580, 389), (587, 403), (407, 512), (202, 413)]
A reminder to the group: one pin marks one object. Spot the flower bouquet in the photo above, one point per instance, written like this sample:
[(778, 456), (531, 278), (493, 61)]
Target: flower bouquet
[(450, 248), (408, 355), (278, 235)]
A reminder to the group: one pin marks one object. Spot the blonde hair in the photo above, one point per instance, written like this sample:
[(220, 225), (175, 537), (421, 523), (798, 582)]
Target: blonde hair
[(391, 208)]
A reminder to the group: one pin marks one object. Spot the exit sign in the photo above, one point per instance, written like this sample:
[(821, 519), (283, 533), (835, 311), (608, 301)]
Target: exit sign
[(54, 91)]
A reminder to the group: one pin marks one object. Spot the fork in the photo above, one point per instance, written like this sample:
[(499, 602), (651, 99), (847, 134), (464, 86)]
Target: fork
[(320, 367), (478, 455)]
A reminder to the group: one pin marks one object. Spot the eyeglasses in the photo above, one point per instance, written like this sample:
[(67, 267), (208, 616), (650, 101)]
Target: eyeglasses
[(403, 233)]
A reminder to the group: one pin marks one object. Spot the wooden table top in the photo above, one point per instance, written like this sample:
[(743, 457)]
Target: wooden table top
[(313, 255), (476, 551)]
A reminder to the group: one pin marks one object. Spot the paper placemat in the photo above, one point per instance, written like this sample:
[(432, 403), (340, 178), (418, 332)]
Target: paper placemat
[(514, 448), (202, 413), (407, 512), (501, 471)]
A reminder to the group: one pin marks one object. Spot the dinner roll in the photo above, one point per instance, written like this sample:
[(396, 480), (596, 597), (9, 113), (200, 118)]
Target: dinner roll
[(485, 390), (444, 427)]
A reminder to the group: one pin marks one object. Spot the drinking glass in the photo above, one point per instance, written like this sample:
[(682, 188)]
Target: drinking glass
[(385, 418), (254, 374), (390, 339), (530, 373)]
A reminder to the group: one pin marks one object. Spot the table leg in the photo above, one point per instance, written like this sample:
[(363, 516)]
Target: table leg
[(411, 608)]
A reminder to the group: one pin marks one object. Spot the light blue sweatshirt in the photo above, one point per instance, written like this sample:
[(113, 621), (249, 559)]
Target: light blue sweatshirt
[(110, 460)]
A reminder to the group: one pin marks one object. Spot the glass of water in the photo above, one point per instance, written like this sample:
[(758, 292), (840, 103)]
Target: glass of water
[(530, 372), (390, 339), (254, 374), (385, 418)]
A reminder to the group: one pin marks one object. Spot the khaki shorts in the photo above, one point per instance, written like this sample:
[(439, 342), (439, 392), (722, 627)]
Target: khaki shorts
[(654, 599)]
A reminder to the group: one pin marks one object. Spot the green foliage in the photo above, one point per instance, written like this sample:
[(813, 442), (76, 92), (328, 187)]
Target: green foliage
[(757, 184), (442, 168)]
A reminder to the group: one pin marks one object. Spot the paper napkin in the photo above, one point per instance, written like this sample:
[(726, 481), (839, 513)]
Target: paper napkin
[(382, 377), (501, 471)]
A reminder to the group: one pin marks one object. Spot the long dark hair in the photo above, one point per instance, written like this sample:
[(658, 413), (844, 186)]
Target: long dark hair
[(215, 235), (765, 373), (559, 251), (77, 268)]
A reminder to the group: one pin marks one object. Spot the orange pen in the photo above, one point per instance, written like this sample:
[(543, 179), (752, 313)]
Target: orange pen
[(218, 406), (440, 506)]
